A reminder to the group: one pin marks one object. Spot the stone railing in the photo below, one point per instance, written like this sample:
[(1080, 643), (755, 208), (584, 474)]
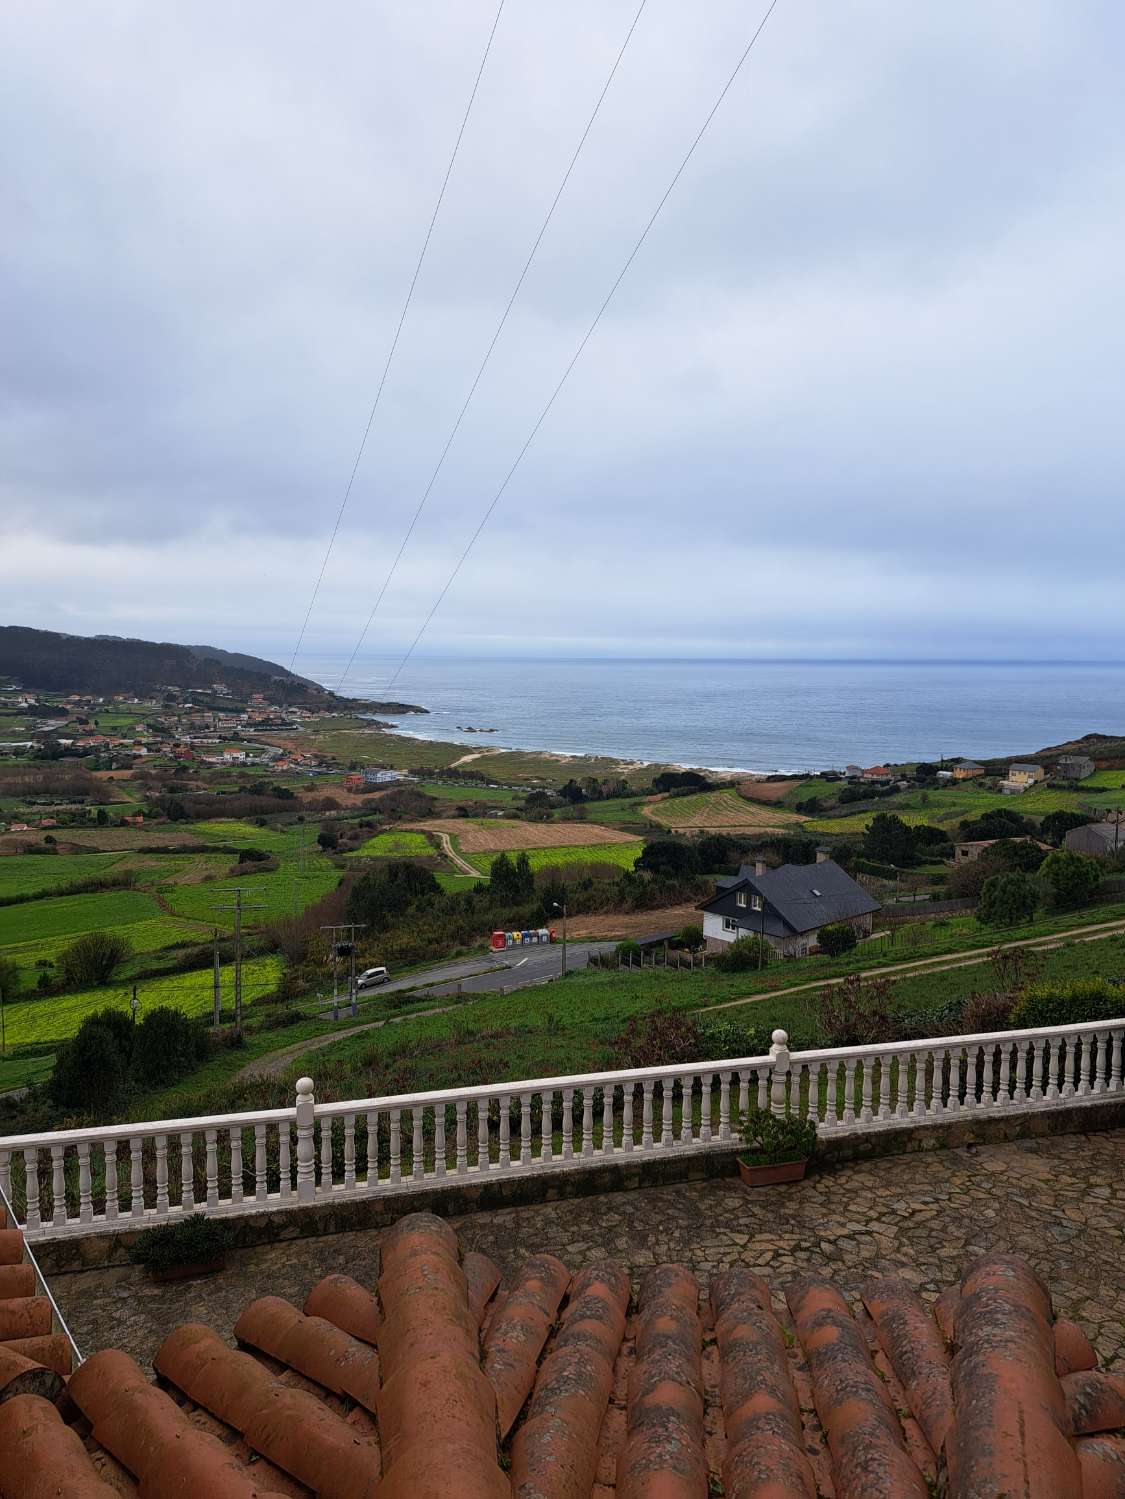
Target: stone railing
[(135, 1175)]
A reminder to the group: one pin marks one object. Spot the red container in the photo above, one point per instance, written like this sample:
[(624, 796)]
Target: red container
[(498, 942), (554, 936)]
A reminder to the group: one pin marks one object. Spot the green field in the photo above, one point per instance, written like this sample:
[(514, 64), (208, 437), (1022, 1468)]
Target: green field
[(499, 796), (279, 891), (621, 855), (248, 835), (456, 882), (947, 807), (28, 874), (398, 844), (67, 915)]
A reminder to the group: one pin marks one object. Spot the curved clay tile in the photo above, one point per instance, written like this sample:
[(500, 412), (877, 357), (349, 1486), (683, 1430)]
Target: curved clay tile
[(148, 1433), (482, 1276), (1073, 1350), (945, 1311), (517, 1334), (11, 1246), (24, 1317), (312, 1346), (437, 1411), (663, 1456), (765, 1457), (1094, 1401), (16, 1280), (555, 1449), (1102, 1461), (42, 1456), (22, 1376), (346, 1304), (291, 1427), (865, 1440), (53, 1351), (911, 1340), (1009, 1432)]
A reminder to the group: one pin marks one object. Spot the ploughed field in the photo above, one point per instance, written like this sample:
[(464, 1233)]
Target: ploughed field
[(719, 811), (510, 836)]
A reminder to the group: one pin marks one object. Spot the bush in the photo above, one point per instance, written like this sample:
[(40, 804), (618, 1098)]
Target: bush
[(723, 1038), (252, 856), (743, 954), (855, 1013), (772, 1139), (985, 1013), (666, 856), (193, 1240), (662, 1038), (1068, 1003), (1071, 879), (690, 937), (1007, 899), (91, 959), (627, 951), (837, 938), (92, 1070), (168, 1046)]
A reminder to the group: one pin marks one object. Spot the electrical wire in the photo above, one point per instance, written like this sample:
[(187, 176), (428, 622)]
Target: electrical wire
[(583, 342), (488, 352), (395, 339)]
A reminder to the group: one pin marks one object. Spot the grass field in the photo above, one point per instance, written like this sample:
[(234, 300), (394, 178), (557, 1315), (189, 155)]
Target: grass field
[(856, 822), (399, 844), (499, 796), (28, 874), (493, 836), (456, 881), (947, 807), (67, 915), (621, 855), (716, 811), (248, 835), (278, 891)]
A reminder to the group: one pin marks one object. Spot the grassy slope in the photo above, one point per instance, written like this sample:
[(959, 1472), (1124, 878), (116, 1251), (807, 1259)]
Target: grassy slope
[(400, 844), (29, 874), (949, 806), (620, 855)]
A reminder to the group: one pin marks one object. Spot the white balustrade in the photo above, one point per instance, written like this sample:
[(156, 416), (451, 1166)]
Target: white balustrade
[(82, 1181)]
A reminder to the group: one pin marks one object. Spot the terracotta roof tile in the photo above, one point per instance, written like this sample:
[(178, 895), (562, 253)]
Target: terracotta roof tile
[(437, 1385)]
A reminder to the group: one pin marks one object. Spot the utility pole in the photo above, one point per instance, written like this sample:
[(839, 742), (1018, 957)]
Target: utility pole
[(562, 908), (218, 984), (345, 950), (239, 906), (3, 1036)]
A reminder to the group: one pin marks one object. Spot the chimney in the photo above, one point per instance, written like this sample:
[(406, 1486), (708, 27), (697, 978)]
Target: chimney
[(759, 867), (822, 856)]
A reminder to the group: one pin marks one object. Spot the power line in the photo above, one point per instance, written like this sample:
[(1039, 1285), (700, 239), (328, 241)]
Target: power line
[(395, 339), (584, 341), (495, 339)]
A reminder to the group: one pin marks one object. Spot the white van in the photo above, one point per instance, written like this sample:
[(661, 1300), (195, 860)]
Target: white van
[(370, 977)]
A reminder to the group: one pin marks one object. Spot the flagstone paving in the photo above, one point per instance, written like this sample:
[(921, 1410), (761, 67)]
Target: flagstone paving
[(1059, 1202)]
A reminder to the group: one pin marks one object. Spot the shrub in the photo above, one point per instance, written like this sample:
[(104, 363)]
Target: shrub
[(252, 856), (855, 1013), (168, 1045), (662, 1038), (1071, 879), (772, 1139), (193, 1240), (837, 938), (743, 954), (985, 1013), (1068, 1003), (690, 937), (627, 951), (91, 959), (92, 1070), (723, 1038), (1007, 899)]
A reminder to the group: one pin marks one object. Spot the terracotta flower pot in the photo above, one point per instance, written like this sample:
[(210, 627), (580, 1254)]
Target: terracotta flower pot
[(187, 1270), (769, 1176)]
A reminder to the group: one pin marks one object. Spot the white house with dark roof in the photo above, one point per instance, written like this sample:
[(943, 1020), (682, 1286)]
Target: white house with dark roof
[(787, 906)]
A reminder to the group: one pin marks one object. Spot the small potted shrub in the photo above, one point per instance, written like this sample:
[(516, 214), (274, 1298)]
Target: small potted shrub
[(778, 1148), (175, 1251)]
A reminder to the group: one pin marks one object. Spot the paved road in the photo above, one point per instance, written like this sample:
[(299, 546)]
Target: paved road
[(514, 968)]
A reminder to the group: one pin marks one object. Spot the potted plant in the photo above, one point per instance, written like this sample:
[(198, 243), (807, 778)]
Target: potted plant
[(778, 1148), (174, 1251)]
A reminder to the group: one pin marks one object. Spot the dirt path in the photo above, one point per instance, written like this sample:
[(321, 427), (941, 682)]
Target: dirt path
[(453, 856), (970, 958), (277, 1061)]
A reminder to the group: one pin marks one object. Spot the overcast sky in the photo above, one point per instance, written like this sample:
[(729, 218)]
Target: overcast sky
[(860, 394)]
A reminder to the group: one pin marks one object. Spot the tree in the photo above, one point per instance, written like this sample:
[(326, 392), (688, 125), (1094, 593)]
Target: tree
[(1007, 899), (328, 838), (1056, 825), (1071, 879), (91, 959), (168, 1045), (680, 780), (384, 894), (889, 840), (92, 1070), (9, 977), (999, 823), (715, 852), (836, 938), (1016, 853), (511, 882), (667, 856)]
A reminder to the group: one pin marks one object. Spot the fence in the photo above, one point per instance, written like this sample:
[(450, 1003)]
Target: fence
[(90, 1180)]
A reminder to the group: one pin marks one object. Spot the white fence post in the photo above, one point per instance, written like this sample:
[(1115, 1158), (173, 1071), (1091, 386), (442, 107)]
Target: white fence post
[(306, 1149), (779, 1071)]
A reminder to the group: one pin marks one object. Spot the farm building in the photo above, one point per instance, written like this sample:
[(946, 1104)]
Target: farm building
[(976, 848), (787, 906), (1074, 767), (1022, 775), (966, 770), (1102, 838)]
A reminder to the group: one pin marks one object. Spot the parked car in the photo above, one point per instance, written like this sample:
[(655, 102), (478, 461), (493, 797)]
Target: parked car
[(370, 977)]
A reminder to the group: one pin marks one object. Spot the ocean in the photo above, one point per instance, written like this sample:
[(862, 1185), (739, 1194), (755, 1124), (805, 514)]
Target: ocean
[(748, 715)]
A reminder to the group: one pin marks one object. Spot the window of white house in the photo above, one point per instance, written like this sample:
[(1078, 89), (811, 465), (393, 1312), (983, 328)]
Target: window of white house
[(729, 924), (740, 898), (756, 903)]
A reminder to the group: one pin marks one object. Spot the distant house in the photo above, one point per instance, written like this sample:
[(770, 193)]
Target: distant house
[(965, 770), (353, 782), (134, 820), (380, 777), (882, 775), (853, 772), (1104, 839), (787, 906), (976, 848), (1022, 775), (1074, 767), (20, 827)]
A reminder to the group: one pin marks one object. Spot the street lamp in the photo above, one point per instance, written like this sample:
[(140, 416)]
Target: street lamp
[(557, 907)]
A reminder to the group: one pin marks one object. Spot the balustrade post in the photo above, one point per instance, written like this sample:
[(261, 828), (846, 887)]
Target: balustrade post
[(31, 1216), (779, 1071), (306, 1147), (85, 1197), (6, 1175)]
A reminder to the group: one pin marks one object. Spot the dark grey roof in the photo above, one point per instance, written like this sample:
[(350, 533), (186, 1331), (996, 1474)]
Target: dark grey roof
[(1024, 765), (969, 764), (804, 896)]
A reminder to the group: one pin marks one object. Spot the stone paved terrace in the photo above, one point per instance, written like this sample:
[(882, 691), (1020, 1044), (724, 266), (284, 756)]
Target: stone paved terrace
[(1059, 1202)]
